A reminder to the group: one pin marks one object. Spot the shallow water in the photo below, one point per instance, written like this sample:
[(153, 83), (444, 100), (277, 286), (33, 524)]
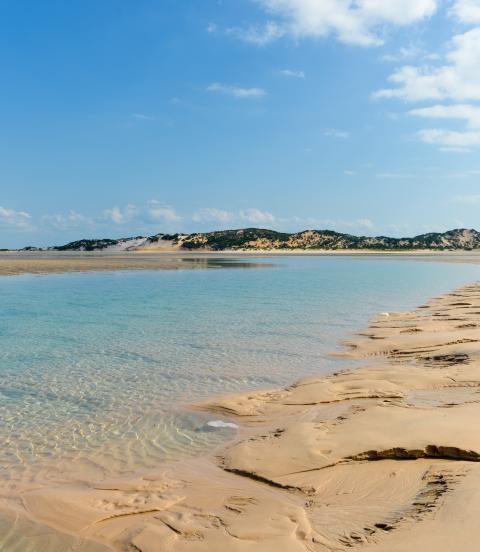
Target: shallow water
[(94, 366)]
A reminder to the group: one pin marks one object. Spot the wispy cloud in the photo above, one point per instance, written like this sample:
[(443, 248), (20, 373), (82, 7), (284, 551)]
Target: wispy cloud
[(236, 91), (19, 220), (211, 214), (357, 23), (405, 52), (260, 35), (410, 52), (338, 225), (292, 73), (67, 221), (256, 216), (142, 117), (336, 133)]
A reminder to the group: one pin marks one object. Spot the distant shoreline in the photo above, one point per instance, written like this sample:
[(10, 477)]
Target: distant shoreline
[(15, 263), (265, 240)]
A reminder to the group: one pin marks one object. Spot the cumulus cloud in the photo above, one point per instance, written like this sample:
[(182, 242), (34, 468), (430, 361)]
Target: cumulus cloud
[(236, 91), (457, 79), (464, 112), (10, 218), (467, 11), (255, 216), (351, 21), (450, 140), (120, 216), (159, 212)]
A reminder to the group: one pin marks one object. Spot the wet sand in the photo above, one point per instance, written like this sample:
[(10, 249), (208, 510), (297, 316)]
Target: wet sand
[(385, 457), (48, 262)]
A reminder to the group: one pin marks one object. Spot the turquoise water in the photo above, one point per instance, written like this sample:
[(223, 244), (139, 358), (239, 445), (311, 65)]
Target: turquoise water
[(94, 367)]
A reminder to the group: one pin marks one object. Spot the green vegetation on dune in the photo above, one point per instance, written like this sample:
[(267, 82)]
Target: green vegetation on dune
[(260, 239), (87, 245)]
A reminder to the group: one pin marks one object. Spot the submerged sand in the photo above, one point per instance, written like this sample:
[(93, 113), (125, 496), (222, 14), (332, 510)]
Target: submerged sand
[(385, 457)]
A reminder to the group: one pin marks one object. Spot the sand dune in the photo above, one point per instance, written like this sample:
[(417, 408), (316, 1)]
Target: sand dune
[(382, 458)]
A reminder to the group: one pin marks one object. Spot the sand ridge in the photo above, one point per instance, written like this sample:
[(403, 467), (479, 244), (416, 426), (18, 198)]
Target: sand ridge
[(14, 263), (385, 457)]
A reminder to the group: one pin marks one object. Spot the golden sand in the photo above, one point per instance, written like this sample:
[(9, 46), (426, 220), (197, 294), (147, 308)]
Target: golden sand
[(382, 458)]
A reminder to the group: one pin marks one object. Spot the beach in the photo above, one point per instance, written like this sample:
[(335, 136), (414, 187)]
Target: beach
[(383, 456)]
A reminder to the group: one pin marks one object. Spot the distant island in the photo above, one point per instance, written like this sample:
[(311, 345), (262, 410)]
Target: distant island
[(258, 239)]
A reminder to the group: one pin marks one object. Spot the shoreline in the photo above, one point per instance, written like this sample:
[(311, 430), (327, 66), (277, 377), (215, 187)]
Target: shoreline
[(316, 466), (19, 263)]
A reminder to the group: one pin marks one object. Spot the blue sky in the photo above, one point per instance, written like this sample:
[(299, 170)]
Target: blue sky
[(121, 118)]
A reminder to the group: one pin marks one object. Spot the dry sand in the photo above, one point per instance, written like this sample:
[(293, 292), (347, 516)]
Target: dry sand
[(382, 458)]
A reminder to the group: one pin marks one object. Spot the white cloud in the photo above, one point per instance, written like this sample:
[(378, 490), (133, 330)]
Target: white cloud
[(210, 214), (9, 218), (236, 91), (120, 216), (159, 212), (450, 140), (336, 133), (351, 21), (457, 79), (255, 216), (467, 11), (466, 112), (292, 73)]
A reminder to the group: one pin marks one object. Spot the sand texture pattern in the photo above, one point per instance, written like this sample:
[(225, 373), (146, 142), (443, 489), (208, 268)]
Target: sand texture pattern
[(385, 457)]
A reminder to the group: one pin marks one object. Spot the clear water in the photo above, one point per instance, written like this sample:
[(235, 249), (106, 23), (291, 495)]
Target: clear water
[(94, 367)]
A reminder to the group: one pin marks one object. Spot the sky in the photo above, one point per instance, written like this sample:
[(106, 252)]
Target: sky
[(121, 118)]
